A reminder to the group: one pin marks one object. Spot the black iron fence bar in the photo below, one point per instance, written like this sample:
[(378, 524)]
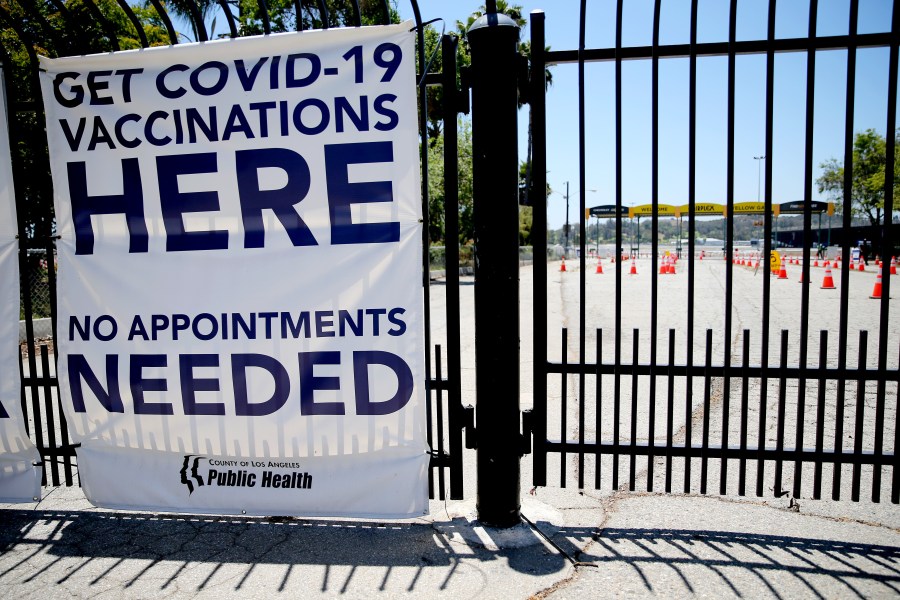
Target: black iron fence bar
[(731, 453), (707, 391), (138, 28), (429, 435), (617, 382), (582, 272), (895, 483), (767, 234), (807, 236), (670, 411), (740, 47), (598, 420), (538, 195), (843, 323), (24, 38), (654, 226), (167, 22), (442, 493), (451, 235), (632, 471), (108, 29), (745, 412), (692, 230), (718, 370), (886, 244), (729, 237), (232, 26), (563, 422), (35, 15), (267, 26), (820, 415), (50, 415), (782, 407), (860, 429), (39, 380), (323, 14)]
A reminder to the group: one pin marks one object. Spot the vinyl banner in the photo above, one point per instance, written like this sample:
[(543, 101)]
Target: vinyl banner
[(20, 471), (240, 274)]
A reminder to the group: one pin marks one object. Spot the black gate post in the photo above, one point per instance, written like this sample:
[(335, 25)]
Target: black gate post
[(493, 39)]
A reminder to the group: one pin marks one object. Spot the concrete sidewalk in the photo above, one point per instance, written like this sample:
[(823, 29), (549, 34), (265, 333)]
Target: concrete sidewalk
[(576, 546)]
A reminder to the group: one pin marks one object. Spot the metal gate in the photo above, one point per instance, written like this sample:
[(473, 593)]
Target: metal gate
[(96, 26), (763, 405)]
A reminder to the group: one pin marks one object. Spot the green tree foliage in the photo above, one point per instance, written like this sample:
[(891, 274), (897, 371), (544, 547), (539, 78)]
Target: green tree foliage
[(436, 195), (868, 178), (29, 29), (283, 17)]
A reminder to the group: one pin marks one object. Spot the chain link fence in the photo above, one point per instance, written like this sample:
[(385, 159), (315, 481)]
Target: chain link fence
[(36, 282)]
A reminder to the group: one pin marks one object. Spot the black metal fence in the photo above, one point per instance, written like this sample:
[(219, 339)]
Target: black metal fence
[(28, 27), (745, 395)]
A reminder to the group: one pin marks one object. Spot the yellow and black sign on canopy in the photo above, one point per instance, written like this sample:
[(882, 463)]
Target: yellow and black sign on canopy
[(749, 208), (608, 211), (605, 211), (646, 210), (797, 207), (702, 209)]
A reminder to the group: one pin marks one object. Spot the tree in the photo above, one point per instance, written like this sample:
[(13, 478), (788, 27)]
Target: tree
[(436, 195), (283, 16), (54, 29), (868, 179)]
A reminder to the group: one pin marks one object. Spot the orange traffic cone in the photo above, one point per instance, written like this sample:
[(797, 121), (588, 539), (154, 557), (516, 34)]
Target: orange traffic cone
[(893, 270), (633, 270), (852, 266), (782, 274), (828, 282), (876, 291), (664, 266), (816, 263), (801, 277), (862, 265), (562, 266), (672, 267), (599, 267)]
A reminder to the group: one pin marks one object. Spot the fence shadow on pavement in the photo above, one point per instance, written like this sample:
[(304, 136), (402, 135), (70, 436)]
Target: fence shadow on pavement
[(154, 553), (660, 561)]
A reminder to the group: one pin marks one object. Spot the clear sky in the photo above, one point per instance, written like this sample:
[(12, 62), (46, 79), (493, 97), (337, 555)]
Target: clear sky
[(788, 156)]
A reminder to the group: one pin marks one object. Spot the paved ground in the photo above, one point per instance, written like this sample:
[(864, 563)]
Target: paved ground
[(574, 544)]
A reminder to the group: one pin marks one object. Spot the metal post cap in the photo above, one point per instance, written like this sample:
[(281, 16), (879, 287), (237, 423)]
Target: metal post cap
[(492, 20)]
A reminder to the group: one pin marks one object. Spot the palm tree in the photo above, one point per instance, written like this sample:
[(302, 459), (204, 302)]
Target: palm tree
[(182, 9)]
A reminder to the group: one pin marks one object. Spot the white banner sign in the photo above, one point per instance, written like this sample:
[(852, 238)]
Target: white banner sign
[(240, 294), (20, 478)]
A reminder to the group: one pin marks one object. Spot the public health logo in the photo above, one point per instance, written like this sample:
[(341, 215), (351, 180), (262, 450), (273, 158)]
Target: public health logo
[(193, 465)]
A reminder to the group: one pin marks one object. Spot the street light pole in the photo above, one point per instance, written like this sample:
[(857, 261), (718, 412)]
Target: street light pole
[(566, 247), (758, 160)]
